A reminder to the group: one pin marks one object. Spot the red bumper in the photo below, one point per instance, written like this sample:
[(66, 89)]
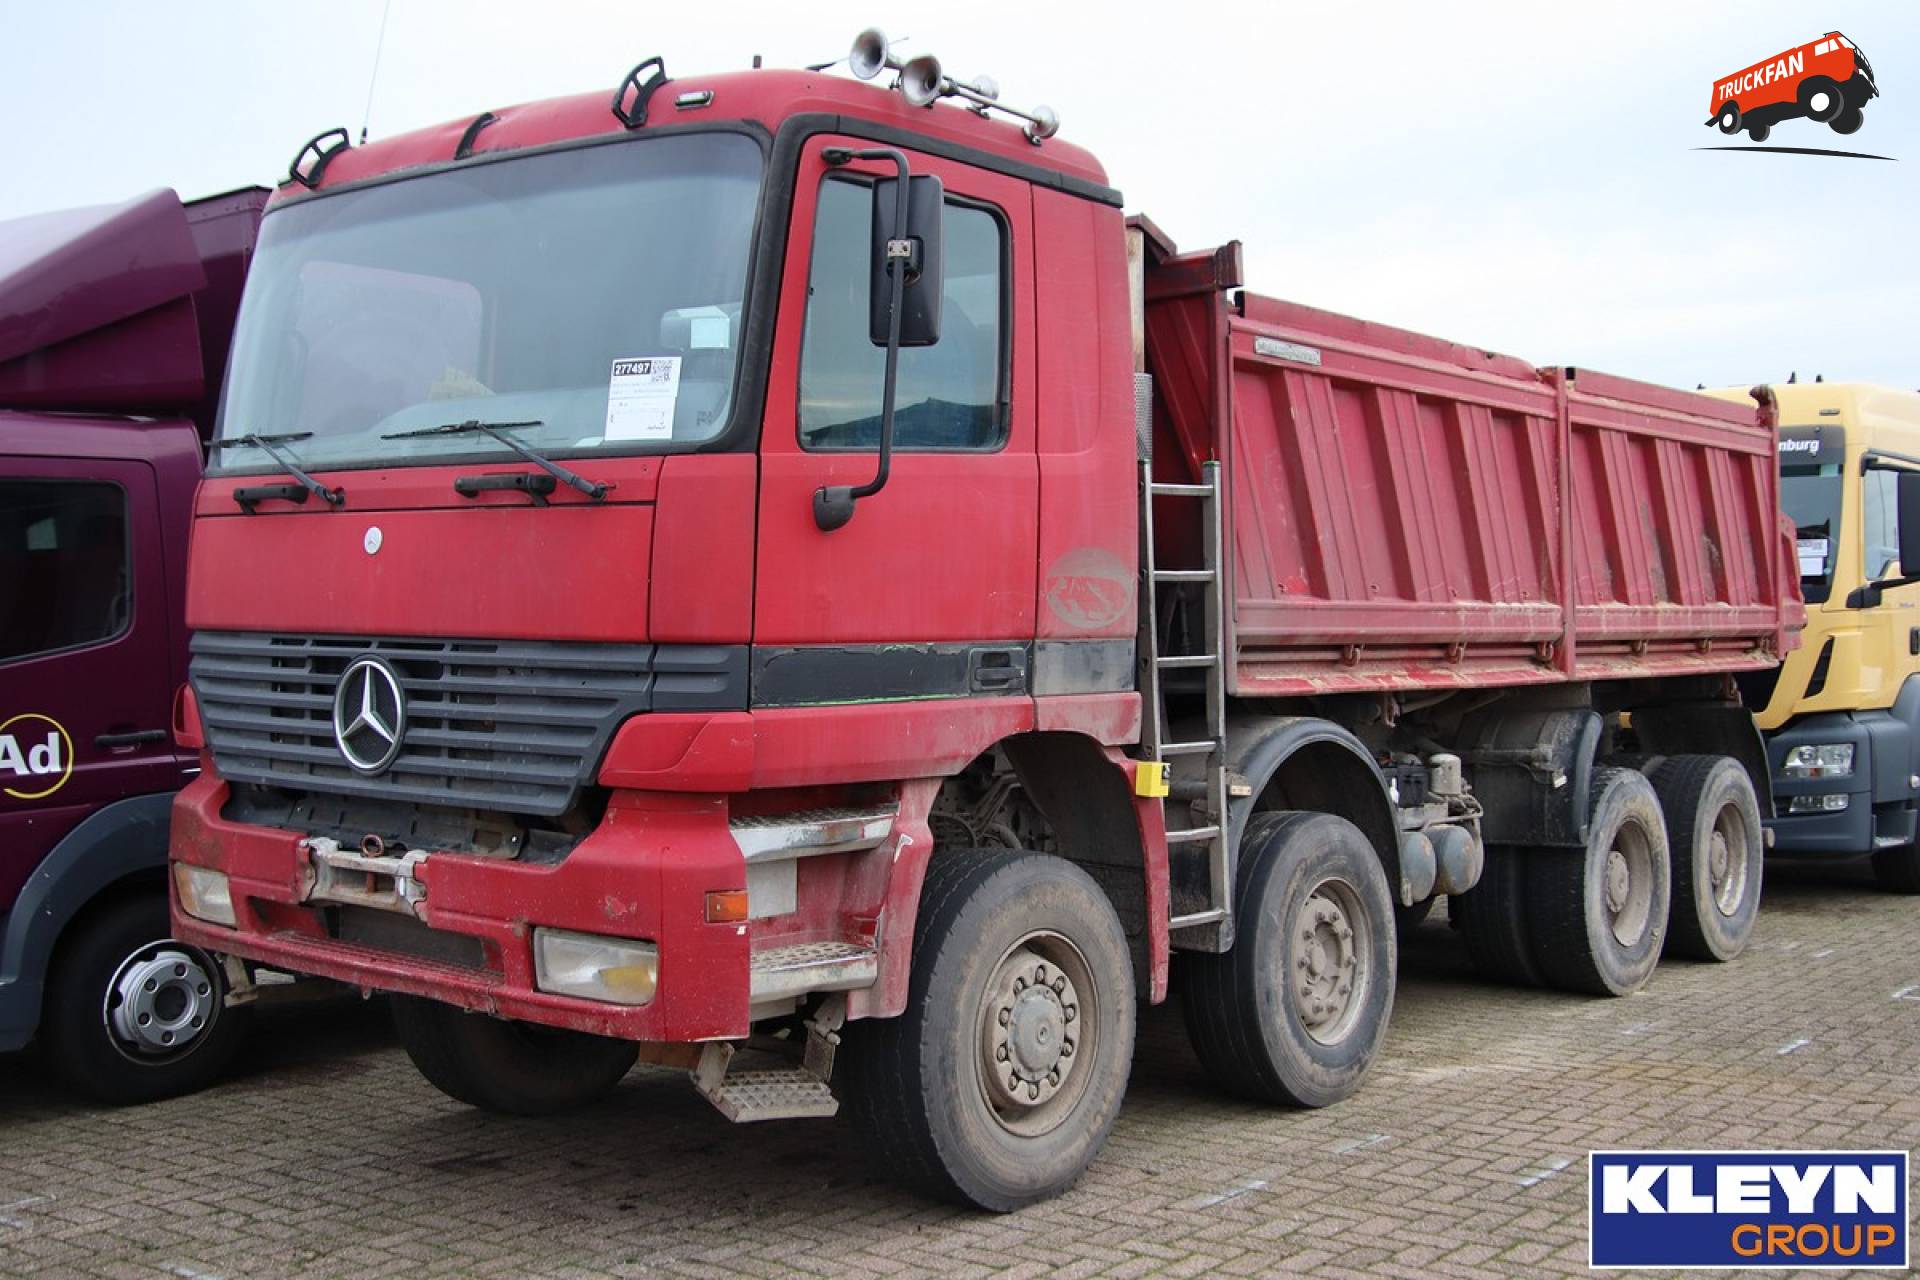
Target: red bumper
[(644, 873)]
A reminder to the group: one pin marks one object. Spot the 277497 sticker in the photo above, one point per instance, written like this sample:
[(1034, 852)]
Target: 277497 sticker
[(641, 394)]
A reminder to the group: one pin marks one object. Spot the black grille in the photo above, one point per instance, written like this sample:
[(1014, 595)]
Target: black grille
[(517, 726)]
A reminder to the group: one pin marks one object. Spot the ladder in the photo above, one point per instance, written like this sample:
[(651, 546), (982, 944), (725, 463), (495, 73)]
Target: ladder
[(1209, 833)]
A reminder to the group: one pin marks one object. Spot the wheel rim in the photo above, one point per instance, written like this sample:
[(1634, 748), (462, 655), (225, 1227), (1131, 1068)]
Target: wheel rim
[(161, 1003), (1039, 1028), (1329, 961), (1727, 861), (1820, 104), (1627, 884)]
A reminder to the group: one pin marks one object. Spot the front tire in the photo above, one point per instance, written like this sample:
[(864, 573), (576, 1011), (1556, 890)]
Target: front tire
[(1597, 915), (133, 1016), (1714, 834), (1848, 121), (1296, 1010), (998, 1084), (514, 1068), (1821, 99)]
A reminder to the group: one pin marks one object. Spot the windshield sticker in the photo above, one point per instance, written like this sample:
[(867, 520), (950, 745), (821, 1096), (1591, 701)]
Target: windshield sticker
[(640, 398), (1813, 557)]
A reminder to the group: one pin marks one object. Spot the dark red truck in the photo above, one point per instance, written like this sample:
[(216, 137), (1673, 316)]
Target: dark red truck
[(114, 326), (672, 589)]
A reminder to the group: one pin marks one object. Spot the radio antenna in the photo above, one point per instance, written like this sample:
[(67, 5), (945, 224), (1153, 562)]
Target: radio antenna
[(374, 77)]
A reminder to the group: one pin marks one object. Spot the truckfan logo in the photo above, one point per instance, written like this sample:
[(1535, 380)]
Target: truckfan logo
[(36, 756), (1795, 1209), (1828, 81), (369, 715)]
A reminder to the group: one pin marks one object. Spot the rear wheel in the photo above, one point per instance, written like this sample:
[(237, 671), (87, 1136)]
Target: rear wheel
[(133, 1016), (1296, 1010), (997, 1086), (515, 1068), (1714, 835), (1596, 916), (1729, 118), (1898, 870), (1493, 919), (1759, 132)]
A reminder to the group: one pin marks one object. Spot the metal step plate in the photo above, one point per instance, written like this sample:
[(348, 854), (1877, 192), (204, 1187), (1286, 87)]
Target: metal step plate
[(780, 972), (785, 1094)]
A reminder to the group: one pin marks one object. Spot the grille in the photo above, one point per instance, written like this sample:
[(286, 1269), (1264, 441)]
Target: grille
[(517, 726)]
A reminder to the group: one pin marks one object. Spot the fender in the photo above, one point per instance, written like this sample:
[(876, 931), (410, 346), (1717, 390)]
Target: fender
[(123, 839), (1259, 749), (1533, 771)]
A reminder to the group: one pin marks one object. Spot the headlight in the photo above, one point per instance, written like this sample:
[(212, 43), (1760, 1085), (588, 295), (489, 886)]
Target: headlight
[(204, 895), (615, 970), (1834, 760)]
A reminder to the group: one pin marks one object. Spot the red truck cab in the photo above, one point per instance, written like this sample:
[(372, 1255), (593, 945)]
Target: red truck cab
[(1826, 80), (113, 335)]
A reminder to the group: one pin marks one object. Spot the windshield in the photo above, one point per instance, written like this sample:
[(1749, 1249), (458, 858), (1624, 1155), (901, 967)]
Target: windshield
[(1811, 498), (596, 292)]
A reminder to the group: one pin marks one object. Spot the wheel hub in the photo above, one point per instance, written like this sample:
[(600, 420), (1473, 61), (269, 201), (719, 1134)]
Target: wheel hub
[(1326, 964), (1619, 881), (161, 1001), (1033, 1008)]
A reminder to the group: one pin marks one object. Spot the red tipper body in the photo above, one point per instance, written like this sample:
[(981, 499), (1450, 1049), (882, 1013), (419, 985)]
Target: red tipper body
[(623, 711)]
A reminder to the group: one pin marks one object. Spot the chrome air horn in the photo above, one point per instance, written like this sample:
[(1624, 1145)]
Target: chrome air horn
[(923, 83)]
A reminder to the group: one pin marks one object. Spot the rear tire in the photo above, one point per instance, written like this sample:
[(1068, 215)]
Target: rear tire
[(1020, 967), (132, 1016), (1898, 870), (1713, 834), (1596, 916), (1729, 118), (514, 1068), (1759, 132), (1297, 1009), (1493, 920)]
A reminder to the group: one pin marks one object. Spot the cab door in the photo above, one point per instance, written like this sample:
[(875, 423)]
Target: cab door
[(84, 702), (929, 591)]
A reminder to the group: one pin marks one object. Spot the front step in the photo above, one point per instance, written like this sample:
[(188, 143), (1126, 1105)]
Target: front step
[(785, 1093), (780, 973)]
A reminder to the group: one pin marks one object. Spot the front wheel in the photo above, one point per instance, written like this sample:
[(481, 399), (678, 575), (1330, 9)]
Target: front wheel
[(514, 1068), (133, 1016), (1821, 99), (998, 1084), (1848, 121), (1714, 833), (1297, 1009), (1897, 870)]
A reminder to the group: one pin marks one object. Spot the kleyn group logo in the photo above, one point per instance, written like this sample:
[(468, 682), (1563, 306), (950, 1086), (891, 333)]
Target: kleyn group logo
[(1674, 1209), (1826, 81)]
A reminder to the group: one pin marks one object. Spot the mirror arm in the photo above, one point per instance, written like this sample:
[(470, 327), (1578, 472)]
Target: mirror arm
[(833, 503)]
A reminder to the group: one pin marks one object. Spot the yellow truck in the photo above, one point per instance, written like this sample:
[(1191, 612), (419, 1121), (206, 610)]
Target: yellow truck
[(1841, 716)]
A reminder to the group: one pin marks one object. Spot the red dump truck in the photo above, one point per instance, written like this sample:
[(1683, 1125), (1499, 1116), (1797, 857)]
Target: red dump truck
[(114, 327), (854, 642)]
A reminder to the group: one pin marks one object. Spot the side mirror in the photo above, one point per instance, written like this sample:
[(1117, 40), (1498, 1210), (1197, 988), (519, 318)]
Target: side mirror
[(920, 300), (1907, 507)]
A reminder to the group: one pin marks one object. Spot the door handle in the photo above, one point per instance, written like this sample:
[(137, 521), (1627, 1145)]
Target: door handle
[(134, 738), (997, 670), (1913, 640)]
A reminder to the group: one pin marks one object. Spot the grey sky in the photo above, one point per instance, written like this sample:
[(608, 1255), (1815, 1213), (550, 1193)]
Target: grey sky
[(1515, 175)]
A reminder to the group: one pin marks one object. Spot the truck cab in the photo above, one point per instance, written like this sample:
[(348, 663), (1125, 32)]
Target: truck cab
[(1841, 715), (113, 332)]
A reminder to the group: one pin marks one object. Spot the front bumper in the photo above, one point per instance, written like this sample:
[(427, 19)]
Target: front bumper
[(644, 873), (1874, 818)]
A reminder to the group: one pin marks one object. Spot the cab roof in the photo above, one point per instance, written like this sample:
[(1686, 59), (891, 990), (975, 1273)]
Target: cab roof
[(766, 97)]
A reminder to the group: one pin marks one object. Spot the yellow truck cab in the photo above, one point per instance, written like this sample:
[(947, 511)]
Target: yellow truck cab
[(1841, 716)]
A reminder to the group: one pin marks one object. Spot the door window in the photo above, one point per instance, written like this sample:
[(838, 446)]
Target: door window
[(950, 394), (63, 566), (1881, 512)]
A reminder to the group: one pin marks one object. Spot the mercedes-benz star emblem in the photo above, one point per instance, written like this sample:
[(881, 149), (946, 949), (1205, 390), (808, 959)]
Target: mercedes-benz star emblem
[(369, 715)]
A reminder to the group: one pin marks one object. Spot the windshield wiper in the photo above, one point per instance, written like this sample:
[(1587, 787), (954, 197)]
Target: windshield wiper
[(498, 430), (266, 444)]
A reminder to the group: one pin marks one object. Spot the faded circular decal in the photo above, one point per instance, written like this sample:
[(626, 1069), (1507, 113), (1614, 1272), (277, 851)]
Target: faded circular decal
[(1089, 588), (36, 756)]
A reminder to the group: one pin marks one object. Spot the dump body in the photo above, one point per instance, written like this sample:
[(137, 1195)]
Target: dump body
[(1398, 514)]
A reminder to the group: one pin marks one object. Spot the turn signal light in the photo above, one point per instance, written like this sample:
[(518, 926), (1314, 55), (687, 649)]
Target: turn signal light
[(727, 906), (204, 894)]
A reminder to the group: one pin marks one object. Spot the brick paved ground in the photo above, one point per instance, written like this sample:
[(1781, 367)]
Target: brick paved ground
[(1463, 1156)]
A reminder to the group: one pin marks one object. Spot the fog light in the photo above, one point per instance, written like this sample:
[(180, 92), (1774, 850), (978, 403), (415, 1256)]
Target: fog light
[(1816, 804), (615, 970), (1832, 760), (204, 894)]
